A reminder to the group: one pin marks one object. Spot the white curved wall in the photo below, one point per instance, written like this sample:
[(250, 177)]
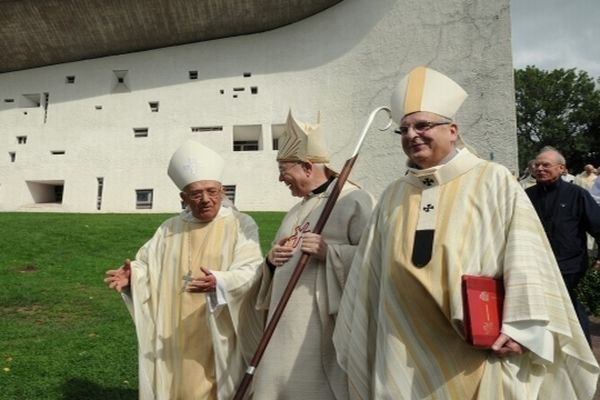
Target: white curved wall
[(342, 62)]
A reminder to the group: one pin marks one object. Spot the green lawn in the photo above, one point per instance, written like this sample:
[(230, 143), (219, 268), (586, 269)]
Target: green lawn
[(63, 334)]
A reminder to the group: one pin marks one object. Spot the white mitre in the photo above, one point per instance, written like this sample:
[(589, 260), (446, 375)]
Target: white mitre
[(302, 142), (194, 162), (424, 89)]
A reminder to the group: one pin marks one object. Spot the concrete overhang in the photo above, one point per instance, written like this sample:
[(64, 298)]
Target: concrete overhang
[(35, 33)]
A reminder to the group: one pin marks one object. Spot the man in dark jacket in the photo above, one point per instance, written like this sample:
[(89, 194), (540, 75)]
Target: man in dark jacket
[(567, 212)]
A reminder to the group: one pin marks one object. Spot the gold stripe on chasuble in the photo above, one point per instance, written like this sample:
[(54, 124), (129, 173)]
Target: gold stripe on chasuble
[(198, 367), (418, 309)]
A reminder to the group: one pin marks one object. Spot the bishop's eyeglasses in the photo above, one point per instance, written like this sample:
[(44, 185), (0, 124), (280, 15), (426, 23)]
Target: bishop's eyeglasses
[(199, 194), (420, 127)]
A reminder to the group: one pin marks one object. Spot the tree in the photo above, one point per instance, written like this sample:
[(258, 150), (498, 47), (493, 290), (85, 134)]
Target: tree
[(559, 108)]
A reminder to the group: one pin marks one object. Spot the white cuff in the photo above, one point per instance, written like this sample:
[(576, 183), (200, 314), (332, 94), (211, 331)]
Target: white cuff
[(534, 336), (217, 298)]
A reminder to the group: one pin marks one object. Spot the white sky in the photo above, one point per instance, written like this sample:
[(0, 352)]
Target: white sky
[(554, 34)]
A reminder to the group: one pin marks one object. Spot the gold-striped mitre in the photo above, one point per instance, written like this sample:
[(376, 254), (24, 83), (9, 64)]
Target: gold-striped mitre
[(425, 89)]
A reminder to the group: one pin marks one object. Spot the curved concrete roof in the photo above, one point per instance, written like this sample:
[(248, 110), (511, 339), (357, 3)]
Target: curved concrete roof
[(35, 33)]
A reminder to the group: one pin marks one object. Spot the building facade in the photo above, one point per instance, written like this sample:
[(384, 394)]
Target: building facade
[(97, 135)]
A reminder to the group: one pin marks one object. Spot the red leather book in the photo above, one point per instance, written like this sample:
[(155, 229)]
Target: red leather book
[(482, 308)]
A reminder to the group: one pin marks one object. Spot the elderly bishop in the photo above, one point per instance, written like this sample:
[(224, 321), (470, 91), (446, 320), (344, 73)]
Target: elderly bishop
[(190, 289), (299, 362)]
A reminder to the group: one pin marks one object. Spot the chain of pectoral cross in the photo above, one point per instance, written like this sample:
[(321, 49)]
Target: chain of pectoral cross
[(187, 278)]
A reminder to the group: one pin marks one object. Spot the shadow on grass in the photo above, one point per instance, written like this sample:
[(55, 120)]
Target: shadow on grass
[(81, 389)]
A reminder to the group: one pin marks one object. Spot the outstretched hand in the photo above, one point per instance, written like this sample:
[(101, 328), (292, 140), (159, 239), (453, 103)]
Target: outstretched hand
[(118, 279)]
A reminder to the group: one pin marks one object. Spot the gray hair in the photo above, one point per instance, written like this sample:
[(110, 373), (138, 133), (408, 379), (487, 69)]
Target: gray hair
[(560, 158)]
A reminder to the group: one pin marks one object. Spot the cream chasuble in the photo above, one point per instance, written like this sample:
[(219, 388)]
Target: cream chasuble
[(585, 180), (299, 362), (399, 331), (187, 351), (198, 368)]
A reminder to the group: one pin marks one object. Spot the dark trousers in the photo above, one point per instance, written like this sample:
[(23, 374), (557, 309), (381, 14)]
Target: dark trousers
[(571, 282)]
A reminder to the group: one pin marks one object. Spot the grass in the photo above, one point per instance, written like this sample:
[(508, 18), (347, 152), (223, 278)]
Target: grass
[(63, 334)]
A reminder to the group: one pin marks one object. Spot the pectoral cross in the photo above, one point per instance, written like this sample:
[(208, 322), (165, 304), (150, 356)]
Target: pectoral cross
[(293, 240), (187, 278)]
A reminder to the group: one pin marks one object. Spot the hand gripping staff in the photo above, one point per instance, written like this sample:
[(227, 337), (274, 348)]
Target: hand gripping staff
[(335, 193)]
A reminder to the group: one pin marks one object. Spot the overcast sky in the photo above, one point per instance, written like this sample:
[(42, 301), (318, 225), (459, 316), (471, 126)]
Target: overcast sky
[(554, 34)]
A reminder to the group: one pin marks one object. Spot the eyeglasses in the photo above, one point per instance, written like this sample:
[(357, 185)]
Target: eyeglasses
[(544, 165), (420, 127), (199, 194)]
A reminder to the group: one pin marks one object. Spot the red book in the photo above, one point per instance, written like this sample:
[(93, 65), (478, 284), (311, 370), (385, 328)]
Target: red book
[(482, 308)]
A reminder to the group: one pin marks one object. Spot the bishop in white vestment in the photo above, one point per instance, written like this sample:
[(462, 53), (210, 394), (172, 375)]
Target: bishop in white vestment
[(399, 332), (192, 287), (300, 362)]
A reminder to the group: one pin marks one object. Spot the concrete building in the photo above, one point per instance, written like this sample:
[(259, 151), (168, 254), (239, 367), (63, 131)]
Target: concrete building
[(96, 135)]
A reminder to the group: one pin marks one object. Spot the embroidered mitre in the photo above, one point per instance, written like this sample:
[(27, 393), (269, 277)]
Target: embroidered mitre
[(302, 142), (194, 162)]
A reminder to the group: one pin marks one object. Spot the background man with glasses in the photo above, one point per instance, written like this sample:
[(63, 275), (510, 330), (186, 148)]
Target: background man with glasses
[(190, 289), (567, 212), (399, 332)]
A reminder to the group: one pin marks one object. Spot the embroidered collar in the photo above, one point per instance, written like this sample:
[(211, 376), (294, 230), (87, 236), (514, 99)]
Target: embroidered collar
[(429, 181)]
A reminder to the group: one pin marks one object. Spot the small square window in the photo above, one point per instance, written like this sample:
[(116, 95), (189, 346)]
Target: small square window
[(70, 79), (193, 75), (21, 139), (140, 132), (207, 128), (220, 91), (120, 82), (13, 156), (230, 192), (153, 106), (254, 89), (143, 198)]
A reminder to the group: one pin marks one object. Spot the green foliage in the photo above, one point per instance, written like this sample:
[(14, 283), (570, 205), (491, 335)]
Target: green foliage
[(63, 334), (588, 291), (559, 108)]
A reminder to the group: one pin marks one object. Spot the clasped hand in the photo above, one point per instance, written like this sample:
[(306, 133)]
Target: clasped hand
[(203, 284), (311, 243)]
